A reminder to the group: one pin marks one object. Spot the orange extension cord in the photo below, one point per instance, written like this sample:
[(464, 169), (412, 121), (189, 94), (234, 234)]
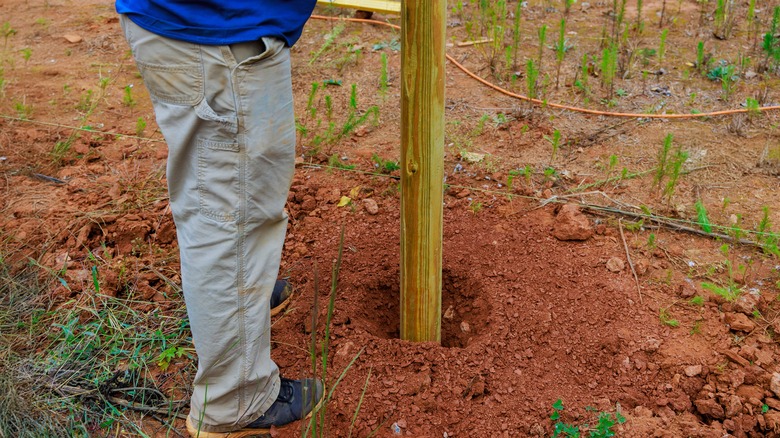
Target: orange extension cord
[(558, 105)]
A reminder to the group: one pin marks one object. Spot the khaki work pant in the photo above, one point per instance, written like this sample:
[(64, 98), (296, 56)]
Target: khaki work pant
[(227, 115)]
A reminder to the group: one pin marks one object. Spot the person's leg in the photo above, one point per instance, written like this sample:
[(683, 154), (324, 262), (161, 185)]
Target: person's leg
[(230, 132)]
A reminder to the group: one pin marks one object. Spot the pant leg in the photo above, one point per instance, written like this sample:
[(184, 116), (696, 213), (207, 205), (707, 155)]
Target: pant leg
[(231, 136)]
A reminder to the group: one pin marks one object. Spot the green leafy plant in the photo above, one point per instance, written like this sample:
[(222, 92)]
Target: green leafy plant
[(605, 422), (168, 355), (385, 166), (726, 74)]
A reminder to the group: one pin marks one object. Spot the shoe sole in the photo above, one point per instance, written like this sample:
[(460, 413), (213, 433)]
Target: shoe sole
[(283, 305), (245, 433)]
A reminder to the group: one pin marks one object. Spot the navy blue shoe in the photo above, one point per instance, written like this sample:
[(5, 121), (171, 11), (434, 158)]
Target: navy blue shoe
[(281, 296), (296, 401)]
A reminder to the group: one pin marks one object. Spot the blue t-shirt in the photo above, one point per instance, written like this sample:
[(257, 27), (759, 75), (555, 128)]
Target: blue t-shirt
[(212, 22)]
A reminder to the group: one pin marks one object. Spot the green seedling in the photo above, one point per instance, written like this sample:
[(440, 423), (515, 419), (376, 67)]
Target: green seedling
[(771, 43), (385, 166), (723, 19), (560, 51), (477, 131), (662, 45), (609, 67), (651, 244), (752, 107), (702, 219), (23, 111), (680, 157), (768, 239), (663, 160), (555, 142), (516, 35), (639, 27), (696, 327), (542, 34), (7, 32), (752, 29), (531, 78), (731, 290), (698, 300), (330, 38), (336, 162), (669, 167), (700, 64), (26, 54), (666, 318), (127, 97), (310, 107), (383, 78), (140, 127), (582, 80)]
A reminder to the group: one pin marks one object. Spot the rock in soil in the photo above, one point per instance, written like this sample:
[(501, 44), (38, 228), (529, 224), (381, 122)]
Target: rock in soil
[(710, 408), (740, 322), (693, 370), (774, 384), (371, 206), (615, 264), (572, 224)]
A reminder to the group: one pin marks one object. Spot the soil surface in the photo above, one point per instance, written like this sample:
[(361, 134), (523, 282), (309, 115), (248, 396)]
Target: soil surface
[(552, 288)]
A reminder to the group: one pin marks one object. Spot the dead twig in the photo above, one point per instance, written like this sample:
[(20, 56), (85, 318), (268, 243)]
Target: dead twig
[(168, 411), (475, 42), (630, 263)]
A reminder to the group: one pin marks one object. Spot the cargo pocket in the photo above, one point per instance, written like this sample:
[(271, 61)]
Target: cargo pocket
[(173, 84), (218, 179)]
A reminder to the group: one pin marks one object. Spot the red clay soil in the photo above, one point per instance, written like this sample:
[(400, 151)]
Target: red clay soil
[(540, 302)]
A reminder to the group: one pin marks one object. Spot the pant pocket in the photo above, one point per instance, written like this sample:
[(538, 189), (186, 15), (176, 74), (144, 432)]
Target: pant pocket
[(219, 179), (171, 69)]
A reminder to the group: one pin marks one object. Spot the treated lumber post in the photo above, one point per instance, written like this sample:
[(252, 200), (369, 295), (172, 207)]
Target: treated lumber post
[(422, 167)]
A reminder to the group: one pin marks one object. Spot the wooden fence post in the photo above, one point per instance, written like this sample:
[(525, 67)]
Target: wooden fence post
[(422, 166)]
